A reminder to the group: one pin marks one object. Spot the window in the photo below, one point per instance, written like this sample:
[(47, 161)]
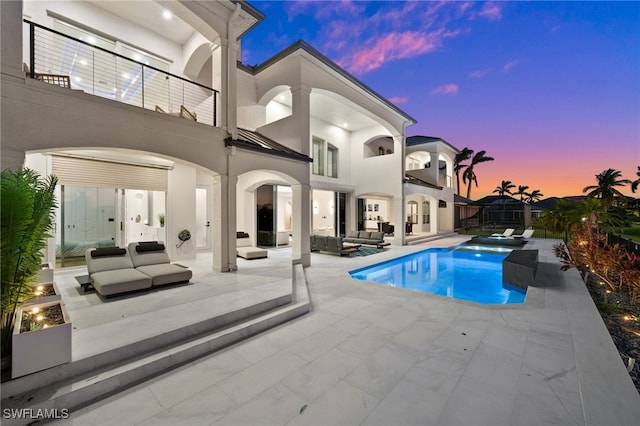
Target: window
[(318, 156), (412, 216), (426, 207), (325, 158), (332, 161)]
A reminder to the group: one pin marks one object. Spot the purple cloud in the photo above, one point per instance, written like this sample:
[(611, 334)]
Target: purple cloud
[(480, 73), (507, 67), (398, 100), (445, 89)]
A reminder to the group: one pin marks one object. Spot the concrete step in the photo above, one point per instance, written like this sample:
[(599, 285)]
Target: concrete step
[(83, 388), (420, 239)]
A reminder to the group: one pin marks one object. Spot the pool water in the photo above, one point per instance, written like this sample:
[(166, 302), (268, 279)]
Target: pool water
[(468, 274)]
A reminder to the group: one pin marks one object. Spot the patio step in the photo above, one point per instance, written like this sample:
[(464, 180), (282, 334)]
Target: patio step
[(79, 390), (419, 239)]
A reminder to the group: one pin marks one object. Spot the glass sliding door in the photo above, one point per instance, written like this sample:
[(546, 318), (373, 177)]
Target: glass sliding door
[(85, 218)]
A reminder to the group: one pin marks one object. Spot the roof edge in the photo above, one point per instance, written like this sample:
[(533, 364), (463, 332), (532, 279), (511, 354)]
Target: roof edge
[(303, 45)]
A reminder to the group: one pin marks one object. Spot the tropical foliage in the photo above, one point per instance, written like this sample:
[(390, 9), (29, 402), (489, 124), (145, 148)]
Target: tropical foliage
[(607, 186), (27, 215), (469, 175), (636, 183), (458, 165), (504, 188), (586, 244)]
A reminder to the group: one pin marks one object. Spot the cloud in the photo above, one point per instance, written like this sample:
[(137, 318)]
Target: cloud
[(507, 67), (480, 73), (445, 89), (398, 100), (492, 11), (392, 46)]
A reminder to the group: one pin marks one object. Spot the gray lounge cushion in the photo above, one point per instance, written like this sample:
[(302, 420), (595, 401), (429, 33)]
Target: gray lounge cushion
[(153, 260), (378, 236), (113, 272), (119, 281), (364, 235), (352, 234)]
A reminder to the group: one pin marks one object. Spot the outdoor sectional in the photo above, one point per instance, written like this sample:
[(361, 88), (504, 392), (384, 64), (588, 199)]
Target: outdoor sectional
[(332, 245), (366, 238), (115, 270)]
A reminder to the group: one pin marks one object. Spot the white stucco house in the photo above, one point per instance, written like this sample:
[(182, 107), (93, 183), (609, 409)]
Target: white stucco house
[(153, 126)]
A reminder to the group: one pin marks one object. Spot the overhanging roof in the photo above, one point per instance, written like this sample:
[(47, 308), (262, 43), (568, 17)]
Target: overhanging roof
[(254, 141), (302, 45)]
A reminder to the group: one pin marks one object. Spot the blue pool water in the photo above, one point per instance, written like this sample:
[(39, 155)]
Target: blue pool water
[(462, 273)]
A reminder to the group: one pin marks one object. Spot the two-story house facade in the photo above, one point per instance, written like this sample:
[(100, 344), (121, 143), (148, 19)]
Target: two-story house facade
[(153, 126)]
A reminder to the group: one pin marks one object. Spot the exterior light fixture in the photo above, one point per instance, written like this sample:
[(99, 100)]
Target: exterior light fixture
[(166, 14)]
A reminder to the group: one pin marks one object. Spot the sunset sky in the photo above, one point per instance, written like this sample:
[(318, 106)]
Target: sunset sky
[(551, 90)]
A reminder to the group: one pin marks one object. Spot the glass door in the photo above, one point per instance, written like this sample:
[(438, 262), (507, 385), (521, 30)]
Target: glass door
[(86, 218), (203, 234)]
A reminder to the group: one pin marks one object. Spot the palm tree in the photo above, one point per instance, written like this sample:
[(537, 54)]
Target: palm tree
[(504, 188), (534, 196), (606, 186), (636, 183), (522, 192), (462, 156), (469, 174)]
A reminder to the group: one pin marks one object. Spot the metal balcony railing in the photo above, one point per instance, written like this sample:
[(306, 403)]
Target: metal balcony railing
[(67, 61)]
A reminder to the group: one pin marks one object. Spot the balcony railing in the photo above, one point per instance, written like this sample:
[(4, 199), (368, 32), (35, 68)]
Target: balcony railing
[(70, 62)]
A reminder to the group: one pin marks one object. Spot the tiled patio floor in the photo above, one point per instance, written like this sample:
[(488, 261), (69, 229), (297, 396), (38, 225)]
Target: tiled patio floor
[(376, 355)]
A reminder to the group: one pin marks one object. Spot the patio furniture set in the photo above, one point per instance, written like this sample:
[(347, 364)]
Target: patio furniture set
[(349, 244), (142, 265)]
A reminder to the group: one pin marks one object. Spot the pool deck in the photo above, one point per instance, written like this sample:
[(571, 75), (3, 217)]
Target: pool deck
[(377, 355)]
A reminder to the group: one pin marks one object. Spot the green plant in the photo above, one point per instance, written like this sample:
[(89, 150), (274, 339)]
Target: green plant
[(161, 219), (27, 214)]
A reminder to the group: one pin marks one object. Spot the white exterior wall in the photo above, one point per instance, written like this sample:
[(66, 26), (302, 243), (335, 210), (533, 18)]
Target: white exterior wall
[(101, 20), (181, 199)]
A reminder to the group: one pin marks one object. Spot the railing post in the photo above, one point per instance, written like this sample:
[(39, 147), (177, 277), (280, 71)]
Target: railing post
[(32, 50), (215, 112)]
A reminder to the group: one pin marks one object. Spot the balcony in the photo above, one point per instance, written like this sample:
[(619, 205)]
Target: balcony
[(67, 61)]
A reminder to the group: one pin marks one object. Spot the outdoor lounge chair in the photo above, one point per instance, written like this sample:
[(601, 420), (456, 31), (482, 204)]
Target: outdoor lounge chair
[(528, 233), (507, 233)]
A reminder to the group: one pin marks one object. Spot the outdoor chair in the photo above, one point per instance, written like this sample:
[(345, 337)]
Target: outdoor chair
[(507, 233), (528, 233)]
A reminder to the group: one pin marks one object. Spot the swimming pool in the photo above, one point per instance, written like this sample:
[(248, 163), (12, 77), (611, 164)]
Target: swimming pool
[(462, 273)]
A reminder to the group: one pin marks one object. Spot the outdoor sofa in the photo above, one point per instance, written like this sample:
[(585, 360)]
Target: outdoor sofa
[(366, 238), (334, 245), (245, 250), (115, 270)]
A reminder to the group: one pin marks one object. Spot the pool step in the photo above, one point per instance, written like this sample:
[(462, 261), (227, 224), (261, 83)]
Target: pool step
[(420, 239)]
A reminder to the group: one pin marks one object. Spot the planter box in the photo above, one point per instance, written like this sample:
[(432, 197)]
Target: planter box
[(44, 299), (40, 349), (45, 274)]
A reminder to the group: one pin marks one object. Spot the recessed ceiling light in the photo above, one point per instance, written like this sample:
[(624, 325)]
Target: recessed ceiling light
[(281, 97), (166, 14), (91, 40), (125, 76), (345, 125), (83, 61), (77, 79)]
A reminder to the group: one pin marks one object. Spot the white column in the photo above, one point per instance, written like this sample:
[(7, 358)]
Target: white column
[(301, 111), (216, 77), (224, 83), (433, 169), (220, 237), (399, 220), (301, 225), (11, 38)]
